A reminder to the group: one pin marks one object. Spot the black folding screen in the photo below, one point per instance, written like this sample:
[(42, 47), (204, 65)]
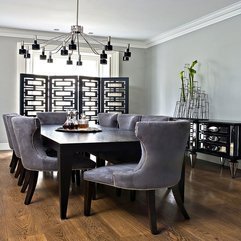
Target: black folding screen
[(88, 95)]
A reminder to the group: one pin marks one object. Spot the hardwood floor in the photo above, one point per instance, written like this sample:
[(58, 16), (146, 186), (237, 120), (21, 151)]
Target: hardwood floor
[(213, 201)]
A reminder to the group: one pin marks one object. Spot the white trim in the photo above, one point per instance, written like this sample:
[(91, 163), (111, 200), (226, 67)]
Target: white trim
[(4, 147), (215, 17)]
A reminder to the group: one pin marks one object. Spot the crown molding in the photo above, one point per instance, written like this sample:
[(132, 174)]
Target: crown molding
[(29, 34), (207, 20)]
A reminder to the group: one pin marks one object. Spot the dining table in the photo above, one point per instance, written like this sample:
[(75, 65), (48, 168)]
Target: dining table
[(68, 143), (101, 139)]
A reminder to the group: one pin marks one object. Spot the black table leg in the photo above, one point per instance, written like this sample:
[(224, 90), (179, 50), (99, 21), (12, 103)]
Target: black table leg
[(65, 170)]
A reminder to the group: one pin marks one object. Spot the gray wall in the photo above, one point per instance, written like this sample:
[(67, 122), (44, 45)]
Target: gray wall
[(135, 69), (218, 51), (8, 80)]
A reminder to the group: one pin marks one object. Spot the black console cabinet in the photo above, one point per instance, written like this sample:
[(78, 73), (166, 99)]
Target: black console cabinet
[(218, 138)]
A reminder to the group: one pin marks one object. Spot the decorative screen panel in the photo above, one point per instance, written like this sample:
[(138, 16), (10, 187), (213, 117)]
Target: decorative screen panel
[(33, 94), (88, 95), (63, 91), (90, 101), (115, 95)]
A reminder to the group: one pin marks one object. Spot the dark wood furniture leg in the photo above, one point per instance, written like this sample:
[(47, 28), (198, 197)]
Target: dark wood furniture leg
[(133, 195), (181, 183), (31, 187), (26, 181), (13, 163), (193, 158), (65, 170), (89, 188), (233, 164), (19, 168), (21, 176), (178, 197), (150, 196)]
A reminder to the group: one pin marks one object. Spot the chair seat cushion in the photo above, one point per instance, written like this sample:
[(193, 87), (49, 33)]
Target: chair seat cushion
[(105, 174)]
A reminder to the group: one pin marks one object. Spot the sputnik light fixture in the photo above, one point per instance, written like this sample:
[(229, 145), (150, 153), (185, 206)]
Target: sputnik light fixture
[(69, 43)]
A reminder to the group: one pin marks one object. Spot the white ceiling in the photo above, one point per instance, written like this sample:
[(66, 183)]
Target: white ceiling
[(129, 19)]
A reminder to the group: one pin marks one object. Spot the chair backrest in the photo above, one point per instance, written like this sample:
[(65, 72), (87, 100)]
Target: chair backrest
[(108, 119), (163, 145), (7, 130), (154, 118), (12, 134), (128, 121), (31, 149), (52, 118)]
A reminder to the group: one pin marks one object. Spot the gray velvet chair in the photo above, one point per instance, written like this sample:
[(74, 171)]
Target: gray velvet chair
[(125, 122), (154, 118), (14, 159), (163, 146), (52, 118), (56, 118), (128, 121), (33, 155), (20, 172), (107, 119)]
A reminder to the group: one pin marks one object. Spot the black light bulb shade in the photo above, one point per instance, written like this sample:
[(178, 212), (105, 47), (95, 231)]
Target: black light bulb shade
[(69, 61), (64, 51), (72, 45), (35, 45), (50, 60), (108, 46), (103, 55), (103, 61), (27, 55), (125, 58), (79, 63), (43, 56), (22, 50), (127, 53)]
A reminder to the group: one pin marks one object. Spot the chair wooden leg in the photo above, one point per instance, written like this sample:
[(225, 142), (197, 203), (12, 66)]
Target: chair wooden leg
[(19, 168), (100, 162), (118, 192), (21, 176), (150, 196), (178, 197), (26, 181), (73, 176), (77, 175), (88, 194), (133, 195), (31, 187), (13, 163)]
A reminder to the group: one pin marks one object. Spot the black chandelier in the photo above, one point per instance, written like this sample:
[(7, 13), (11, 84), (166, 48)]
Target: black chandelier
[(69, 43)]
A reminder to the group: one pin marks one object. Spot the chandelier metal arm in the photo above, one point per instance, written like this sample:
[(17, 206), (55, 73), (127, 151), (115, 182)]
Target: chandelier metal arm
[(95, 40), (73, 41), (59, 46), (90, 46), (56, 38)]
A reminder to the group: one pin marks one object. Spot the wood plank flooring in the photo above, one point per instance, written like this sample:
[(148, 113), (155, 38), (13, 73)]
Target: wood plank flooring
[(213, 200)]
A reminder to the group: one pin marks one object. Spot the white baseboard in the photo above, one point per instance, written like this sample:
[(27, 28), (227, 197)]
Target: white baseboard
[(4, 147)]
